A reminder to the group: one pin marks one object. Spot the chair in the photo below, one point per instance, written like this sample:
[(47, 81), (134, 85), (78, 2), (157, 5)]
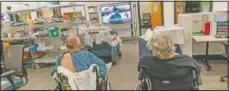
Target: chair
[(227, 57), (146, 18), (14, 72), (105, 50)]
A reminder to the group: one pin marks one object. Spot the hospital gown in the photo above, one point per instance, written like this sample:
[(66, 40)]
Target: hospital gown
[(82, 60)]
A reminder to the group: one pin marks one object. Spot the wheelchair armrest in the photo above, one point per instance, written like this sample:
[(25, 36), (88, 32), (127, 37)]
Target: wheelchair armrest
[(8, 73)]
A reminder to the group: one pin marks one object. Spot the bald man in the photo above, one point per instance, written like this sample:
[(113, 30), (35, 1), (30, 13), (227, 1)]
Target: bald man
[(77, 60)]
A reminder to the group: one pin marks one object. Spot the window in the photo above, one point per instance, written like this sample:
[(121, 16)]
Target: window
[(192, 7)]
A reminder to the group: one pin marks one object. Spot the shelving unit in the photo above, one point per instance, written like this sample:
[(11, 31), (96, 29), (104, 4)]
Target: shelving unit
[(93, 14), (45, 26)]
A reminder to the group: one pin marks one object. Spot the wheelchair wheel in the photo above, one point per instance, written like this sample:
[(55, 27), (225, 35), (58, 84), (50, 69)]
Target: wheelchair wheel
[(113, 63), (139, 87), (222, 79), (57, 88), (104, 85), (120, 54), (109, 86)]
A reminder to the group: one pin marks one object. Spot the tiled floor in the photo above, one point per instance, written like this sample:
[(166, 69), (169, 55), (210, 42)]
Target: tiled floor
[(123, 76)]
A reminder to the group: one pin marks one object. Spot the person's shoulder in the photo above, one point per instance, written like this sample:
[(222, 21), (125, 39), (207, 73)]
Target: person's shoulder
[(86, 52), (186, 57), (147, 58)]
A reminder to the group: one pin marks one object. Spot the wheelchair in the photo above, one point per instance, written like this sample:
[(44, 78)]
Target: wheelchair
[(158, 83), (62, 81)]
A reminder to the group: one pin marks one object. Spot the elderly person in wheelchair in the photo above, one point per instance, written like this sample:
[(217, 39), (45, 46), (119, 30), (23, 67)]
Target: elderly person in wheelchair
[(76, 62), (167, 70)]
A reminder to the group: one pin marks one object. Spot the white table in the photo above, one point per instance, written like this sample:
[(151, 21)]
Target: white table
[(207, 39)]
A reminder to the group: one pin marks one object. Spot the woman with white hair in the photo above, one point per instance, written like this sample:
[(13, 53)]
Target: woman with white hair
[(77, 60), (164, 62)]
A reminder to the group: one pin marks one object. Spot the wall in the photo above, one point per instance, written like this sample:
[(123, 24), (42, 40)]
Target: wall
[(220, 6), (145, 8), (199, 48), (168, 13)]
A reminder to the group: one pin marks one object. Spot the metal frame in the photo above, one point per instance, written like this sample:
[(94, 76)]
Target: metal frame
[(35, 65)]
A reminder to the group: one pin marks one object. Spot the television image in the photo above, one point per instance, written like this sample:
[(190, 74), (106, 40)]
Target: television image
[(116, 14)]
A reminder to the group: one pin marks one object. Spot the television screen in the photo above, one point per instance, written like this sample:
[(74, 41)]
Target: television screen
[(116, 14)]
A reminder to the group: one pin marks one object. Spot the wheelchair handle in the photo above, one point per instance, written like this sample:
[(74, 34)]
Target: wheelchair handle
[(94, 69), (55, 70), (140, 74)]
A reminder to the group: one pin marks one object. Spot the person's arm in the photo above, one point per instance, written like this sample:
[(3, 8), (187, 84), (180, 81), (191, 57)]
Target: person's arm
[(99, 62)]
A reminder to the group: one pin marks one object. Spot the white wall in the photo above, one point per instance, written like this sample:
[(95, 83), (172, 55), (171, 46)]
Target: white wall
[(145, 8), (168, 13), (220, 6)]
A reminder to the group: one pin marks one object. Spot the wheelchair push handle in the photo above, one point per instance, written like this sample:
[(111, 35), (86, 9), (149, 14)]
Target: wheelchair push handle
[(55, 70), (140, 74)]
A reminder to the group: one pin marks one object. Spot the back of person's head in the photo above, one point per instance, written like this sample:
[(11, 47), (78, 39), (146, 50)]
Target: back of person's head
[(161, 45), (72, 42)]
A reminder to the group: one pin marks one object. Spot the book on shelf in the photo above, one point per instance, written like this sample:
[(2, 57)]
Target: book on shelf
[(222, 33), (220, 29)]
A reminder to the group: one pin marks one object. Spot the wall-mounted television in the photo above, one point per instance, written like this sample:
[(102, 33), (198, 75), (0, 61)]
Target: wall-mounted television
[(116, 14)]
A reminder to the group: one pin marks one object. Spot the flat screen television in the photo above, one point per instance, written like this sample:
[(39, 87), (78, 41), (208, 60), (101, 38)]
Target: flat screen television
[(116, 14)]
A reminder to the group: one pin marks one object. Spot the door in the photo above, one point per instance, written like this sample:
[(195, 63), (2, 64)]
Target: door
[(156, 13)]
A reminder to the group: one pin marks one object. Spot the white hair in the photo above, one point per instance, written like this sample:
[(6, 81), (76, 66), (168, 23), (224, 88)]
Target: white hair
[(161, 45)]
